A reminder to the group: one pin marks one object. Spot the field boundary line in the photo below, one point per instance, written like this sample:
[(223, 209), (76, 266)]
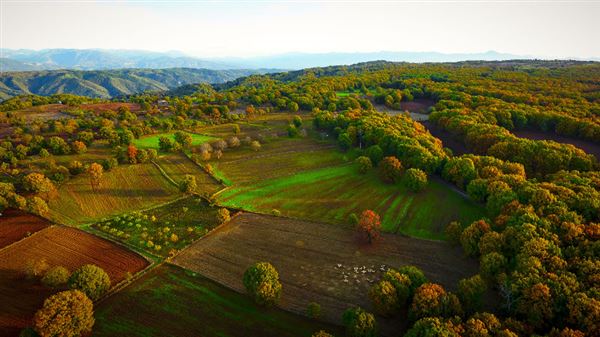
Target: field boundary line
[(27, 237), (164, 174)]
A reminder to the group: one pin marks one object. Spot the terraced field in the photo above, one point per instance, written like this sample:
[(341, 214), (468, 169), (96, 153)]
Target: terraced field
[(170, 301), (123, 189), (177, 166), (331, 194)]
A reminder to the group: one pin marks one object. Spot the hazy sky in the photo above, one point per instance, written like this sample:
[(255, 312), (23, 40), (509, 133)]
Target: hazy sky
[(248, 28)]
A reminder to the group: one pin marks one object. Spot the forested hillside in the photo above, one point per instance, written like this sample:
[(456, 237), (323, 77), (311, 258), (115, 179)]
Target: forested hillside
[(108, 83)]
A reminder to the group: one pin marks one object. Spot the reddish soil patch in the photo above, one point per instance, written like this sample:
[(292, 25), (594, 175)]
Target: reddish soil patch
[(587, 146), (419, 105), (62, 246), (16, 224), (316, 262), (457, 147)]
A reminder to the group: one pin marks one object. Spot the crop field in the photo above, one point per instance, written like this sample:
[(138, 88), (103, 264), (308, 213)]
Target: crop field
[(316, 262), (16, 225), (124, 188), (170, 301), (60, 246), (151, 141), (331, 194), (281, 157), (177, 166), (269, 125), (163, 229)]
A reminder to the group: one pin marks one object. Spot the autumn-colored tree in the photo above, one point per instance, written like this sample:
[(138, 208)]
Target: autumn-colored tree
[(369, 225), (68, 313), (453, 232), (56, 276), (255, 145), (38, 183), (322, 333), (384, 298), (223, 215), (431, 300), (95, 171), (390, 169), (470, 293), (262, 283), (415, 275), (360, 323), (415, 179), (37, 206), (584, 313), (401, 283), (132, 154), (90, 279), (491, 265), (183, 138), (36, 268), (433, 327), (536, 305), (364, 164), (471, 235), (490, 242), (459, 171), (188, 184)]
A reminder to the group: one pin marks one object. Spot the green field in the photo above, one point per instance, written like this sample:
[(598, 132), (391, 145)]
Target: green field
[(177, 166), (170, 301), (331, 194), (151, 142), (152, 230), (123, 189)]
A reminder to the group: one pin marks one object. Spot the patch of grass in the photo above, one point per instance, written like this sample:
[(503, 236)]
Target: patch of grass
[(151, 142), (189, 304), (331, 194), (160, 230), (123, 189), (177, 166)]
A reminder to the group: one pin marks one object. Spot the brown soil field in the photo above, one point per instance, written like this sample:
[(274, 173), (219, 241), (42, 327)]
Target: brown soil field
[(16, 224), (587, 146), (318, 262), (457, 147), (63, 246)]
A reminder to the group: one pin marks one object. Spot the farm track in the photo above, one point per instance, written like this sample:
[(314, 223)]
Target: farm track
[(307, 254)]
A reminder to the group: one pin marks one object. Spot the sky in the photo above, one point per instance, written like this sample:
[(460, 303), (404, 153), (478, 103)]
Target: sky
[(254, 28)]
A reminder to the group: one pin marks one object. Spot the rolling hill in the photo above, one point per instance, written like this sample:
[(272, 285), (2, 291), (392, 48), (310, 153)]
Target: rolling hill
[(109, 83)]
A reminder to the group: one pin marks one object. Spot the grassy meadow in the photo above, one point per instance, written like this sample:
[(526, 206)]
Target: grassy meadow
[(331, 194), (191, 305), (151, 141)]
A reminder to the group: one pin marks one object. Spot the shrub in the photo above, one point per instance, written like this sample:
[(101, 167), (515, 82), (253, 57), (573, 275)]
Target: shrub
[(36, 268), (415, 179), (364, 164), (90, 279), (313, 310), (68, 313), (262, 282), (359, 323), (453, 231), (297, 121), (276, 212), (188, 184), (353, 219), (470, 292), (255, 145), (390, 169), (223, 215), (375, 154), (109, 164), (56, 276)]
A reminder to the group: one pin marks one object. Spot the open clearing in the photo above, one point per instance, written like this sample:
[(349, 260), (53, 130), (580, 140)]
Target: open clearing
[(587, 146), (62, 246), (307, 255), (16, 224), (170, 301), (331, 194), (177, 166), (151, 142), (124, 188)]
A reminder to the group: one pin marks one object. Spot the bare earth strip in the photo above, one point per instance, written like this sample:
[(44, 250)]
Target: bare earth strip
[(16, 224), (307, 255), (60, 246)]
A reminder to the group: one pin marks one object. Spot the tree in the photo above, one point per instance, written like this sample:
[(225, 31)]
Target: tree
[(183, 138), (292, 131), (375, 153), (38, 183), (470, 292), (536, 304), (165, 144), (233, 141), (56, 276), (132, 154), (223, 215), (384, 298), (188, 184), (313, 310), (95, 171), (415, 275), (36, 268), (491, 265), (297, 121), (427, 301), (416, 180), (459, 171), (453, 232), (255, 145), (359, 323), (236, 129), (390, 169), (345, 141), (432, 327), (471, 235), (68, 313), (262, 282), (401, 283), (322, 333), (37, 206), (76, 167), (364, 164), (369, 225), (90, 279)]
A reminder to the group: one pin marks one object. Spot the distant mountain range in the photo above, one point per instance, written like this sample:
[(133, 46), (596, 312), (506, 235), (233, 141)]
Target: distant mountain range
[(110, 83), (100, 59)]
